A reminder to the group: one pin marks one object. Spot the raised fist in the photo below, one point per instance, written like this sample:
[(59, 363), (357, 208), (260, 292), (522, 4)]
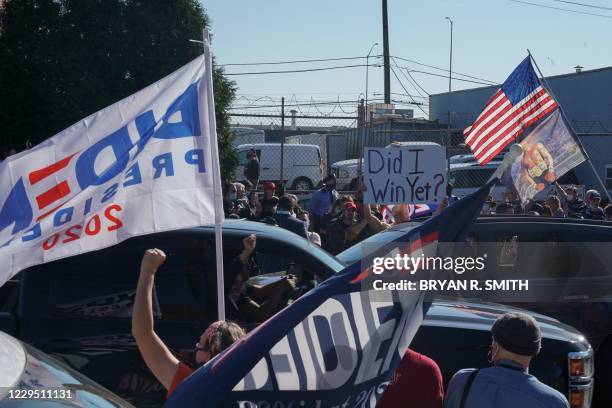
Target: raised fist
[(152, 260)]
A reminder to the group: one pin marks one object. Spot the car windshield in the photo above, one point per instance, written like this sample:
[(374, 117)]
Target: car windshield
[(43, 371), (366, 247)]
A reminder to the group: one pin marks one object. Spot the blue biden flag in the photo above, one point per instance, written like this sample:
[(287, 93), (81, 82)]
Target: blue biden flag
[(338, 345)]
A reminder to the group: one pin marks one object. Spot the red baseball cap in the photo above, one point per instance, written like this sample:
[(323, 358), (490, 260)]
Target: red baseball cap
[(350, 205), (268, 185)]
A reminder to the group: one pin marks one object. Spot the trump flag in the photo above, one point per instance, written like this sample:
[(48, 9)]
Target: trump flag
[(146, 164), (337, 345), (549, 151)]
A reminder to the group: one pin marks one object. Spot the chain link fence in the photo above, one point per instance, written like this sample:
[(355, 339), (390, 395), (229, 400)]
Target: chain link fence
[(297, 151)]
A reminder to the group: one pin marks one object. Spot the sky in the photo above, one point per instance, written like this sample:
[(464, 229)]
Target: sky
[(490, 38)]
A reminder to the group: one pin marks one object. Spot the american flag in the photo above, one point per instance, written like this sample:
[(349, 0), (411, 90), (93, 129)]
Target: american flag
[(520, 102)]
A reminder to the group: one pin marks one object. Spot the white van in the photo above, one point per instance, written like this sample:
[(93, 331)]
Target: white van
[(302, 167)]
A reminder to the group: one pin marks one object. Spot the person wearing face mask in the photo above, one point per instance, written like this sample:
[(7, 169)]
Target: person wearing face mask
[(507, 384), (229, 197), (593, 211), (168, 370), (321, 201), (571, 204)]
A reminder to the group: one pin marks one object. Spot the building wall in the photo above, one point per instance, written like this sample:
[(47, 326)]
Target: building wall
[(599, 149), (586, 99)]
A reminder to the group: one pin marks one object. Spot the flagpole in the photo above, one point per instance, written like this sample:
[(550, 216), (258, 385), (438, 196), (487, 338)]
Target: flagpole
[(216, 179), (568, 123)]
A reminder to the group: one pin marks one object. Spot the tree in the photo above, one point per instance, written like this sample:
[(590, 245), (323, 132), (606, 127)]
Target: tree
[(61, 60)]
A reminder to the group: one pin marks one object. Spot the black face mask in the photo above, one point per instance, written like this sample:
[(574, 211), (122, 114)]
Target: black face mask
[(193, 361)]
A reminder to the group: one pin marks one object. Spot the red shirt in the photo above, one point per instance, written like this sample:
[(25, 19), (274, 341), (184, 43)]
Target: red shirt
[(183, 371), (417, 382)]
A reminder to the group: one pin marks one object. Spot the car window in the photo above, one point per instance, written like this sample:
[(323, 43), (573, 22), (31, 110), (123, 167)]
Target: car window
[(572, 254), (45, 371), (470, 178), (242, 157)]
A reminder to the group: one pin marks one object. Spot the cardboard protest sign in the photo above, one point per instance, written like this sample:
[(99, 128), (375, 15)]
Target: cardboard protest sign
[(412, 173)]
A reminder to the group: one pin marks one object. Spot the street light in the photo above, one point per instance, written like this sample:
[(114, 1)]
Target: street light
[(450, 71), (365, 113), (367, 68)]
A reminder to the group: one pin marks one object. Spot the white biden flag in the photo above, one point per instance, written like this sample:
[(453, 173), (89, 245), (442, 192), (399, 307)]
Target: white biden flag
[(146, 164)]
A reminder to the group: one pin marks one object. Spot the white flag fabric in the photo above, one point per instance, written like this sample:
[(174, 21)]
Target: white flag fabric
[(148, 163)]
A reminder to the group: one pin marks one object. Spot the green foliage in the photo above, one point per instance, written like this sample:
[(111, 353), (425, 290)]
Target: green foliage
[(62, 60)]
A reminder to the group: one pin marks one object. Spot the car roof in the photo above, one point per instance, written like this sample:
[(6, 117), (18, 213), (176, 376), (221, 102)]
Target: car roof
[(13, 357), (293, 145), (242, 228), (492, 219), (479, 315)]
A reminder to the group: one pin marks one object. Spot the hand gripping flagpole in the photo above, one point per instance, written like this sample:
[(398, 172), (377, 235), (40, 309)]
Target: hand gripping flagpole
[(219, 215), (568, 123)]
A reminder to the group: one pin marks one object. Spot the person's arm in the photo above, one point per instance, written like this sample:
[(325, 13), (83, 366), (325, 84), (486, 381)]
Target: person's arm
[(560, 190), (353, 231), (248, 246), (155, 353), (375, 224)]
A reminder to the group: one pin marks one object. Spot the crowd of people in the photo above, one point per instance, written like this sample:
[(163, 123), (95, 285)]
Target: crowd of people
[(566, 204), (336, 222), (516, 339)]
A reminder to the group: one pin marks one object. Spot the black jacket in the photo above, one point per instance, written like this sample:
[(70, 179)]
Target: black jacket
[(286, 221)]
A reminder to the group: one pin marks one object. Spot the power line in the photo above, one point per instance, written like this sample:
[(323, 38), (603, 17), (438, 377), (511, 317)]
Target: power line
[(296, 61), (299, 70), (561, 9), (446, 70), (402, 85), (411, 79), (583, 4), (443, 76)]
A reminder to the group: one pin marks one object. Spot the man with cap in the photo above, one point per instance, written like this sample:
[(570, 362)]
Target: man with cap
[(593, 211), (322, 201), (269, 201), (507, 384)]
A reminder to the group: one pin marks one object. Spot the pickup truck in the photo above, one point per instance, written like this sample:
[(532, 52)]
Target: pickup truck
[(572, 281), (78, 309)]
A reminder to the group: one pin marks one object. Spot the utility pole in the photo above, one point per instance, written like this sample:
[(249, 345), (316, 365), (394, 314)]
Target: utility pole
[(282, 144), (386, 52), (450, 76)]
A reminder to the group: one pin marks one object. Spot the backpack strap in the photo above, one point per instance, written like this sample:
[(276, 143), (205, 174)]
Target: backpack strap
[(466, 389)]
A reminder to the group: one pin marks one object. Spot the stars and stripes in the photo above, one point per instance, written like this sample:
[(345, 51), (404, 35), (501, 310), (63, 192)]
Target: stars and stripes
[(520, 102)]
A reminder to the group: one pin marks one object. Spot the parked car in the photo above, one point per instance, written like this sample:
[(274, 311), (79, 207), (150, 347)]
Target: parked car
[(30, 377), (582, 305), (79, 308), (302, 166)]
